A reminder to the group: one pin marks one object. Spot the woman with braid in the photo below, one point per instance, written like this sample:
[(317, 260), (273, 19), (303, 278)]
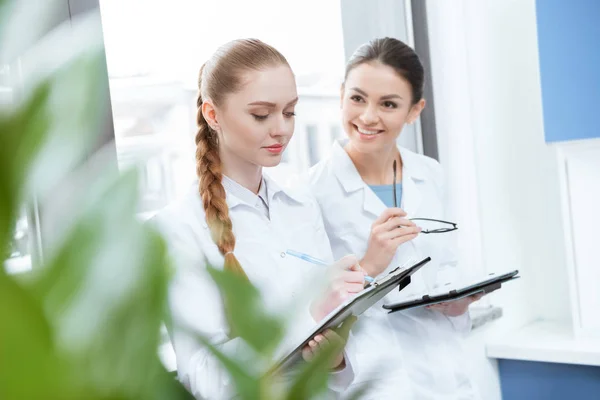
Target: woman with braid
[(238, 219)]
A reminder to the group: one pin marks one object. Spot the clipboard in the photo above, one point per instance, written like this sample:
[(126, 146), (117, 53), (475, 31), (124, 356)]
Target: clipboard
[(486, 285), (355, 306)]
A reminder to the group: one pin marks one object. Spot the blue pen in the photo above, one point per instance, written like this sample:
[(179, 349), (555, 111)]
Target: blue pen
[(316, 261)]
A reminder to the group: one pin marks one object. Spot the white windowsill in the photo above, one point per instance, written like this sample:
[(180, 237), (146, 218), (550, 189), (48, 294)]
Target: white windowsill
[(545, 341)]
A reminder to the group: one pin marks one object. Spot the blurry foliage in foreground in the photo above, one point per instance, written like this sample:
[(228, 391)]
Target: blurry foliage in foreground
[(86, 323)]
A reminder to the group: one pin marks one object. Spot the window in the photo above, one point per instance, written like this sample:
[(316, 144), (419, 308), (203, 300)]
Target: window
[(313, 145), (335, 132), (154, 51)]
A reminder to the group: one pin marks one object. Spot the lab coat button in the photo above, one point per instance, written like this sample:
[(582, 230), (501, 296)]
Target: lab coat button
[(282, 254)]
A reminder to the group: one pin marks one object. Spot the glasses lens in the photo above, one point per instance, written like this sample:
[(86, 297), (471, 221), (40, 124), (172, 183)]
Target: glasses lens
[(442, 230), (434, 226)]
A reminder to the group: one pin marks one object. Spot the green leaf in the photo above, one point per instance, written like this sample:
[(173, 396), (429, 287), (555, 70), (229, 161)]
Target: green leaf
[(248, 386), (75, 131), (27, 350), (25, 23), (166, 387), (104, 292), (86, 325), (22, 135), (247, 313)]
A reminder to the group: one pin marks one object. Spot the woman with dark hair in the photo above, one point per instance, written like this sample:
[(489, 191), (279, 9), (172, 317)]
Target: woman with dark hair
[(378, 201)]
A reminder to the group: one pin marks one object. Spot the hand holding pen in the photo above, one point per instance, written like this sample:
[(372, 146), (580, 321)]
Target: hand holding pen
[(345, 278), (317, 261)]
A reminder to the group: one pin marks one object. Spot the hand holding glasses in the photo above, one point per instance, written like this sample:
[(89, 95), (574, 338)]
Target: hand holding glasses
[(433, 229), (392, 229)]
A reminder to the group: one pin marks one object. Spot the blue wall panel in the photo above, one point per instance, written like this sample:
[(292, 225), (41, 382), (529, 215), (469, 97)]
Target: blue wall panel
[(569, 51), (528, 380)]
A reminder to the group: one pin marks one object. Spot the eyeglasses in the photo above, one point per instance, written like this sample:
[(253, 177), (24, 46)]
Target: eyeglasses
[(425, 231), (436, 230)]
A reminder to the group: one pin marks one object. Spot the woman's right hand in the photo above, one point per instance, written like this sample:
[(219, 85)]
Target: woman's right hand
[(345, 278), (388, 232)]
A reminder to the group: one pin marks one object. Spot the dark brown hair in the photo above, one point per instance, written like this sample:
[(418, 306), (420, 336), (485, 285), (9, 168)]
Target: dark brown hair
[(393, 53)]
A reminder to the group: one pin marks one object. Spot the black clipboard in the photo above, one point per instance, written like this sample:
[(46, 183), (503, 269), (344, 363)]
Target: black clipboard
[(486, 285), (373, 292)]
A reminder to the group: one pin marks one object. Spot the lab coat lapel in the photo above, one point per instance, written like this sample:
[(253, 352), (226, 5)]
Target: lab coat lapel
[(371, 203), (411, 196), (411, 180), (351, 180)]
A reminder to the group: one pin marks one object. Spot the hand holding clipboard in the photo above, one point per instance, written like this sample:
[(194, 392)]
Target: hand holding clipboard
[(452, 292), (354, 307), (347, 279)]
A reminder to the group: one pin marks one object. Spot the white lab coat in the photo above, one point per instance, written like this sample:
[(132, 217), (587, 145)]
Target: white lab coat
[(420, 343), (195, 302)]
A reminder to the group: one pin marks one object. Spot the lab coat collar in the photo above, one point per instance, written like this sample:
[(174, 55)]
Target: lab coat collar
[(351, 181), (412, 176), (344, 168), (273, 190)]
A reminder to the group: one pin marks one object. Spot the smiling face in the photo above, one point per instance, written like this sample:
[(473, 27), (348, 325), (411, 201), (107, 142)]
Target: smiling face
[(376, 103)]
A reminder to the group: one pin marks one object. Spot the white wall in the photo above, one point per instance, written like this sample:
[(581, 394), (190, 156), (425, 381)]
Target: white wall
[(502, 176), (486, 81), (580, 166)]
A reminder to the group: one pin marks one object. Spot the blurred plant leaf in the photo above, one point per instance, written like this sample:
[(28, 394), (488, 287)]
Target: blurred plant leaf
[(166, 387), (248, 386), (247, 313), (22, 134), (244, 304), (17, 14), (26, 349), (75, 130), (70, 59), (87, 324), (105, 290)]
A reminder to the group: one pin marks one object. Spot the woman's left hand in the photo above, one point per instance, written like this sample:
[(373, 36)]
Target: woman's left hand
[(456, 307), (321, 341)]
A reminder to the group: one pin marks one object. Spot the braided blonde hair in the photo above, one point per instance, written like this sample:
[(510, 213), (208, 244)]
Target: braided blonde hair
[(219, 76)]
